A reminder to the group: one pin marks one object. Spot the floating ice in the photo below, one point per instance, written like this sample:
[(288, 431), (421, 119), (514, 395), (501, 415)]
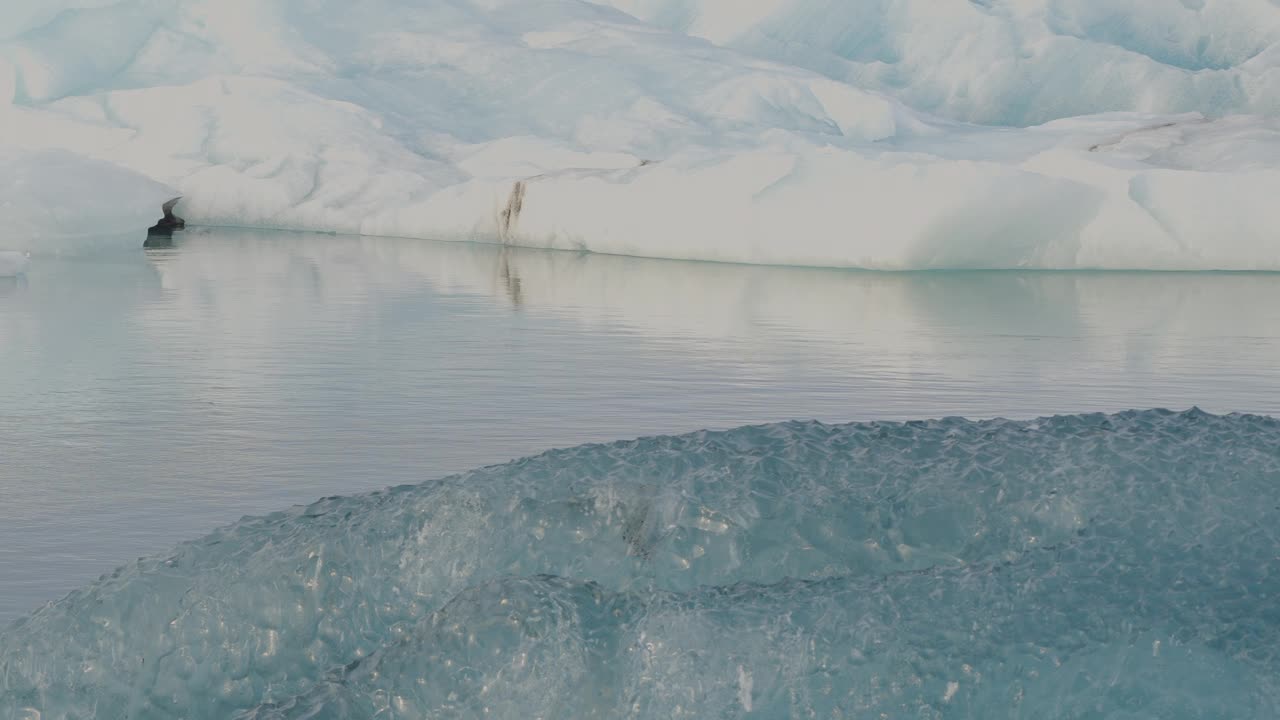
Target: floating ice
[(1080, 565), (574, 125)]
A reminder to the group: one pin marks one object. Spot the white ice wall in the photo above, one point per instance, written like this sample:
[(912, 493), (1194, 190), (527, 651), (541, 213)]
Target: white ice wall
[(570, 124)]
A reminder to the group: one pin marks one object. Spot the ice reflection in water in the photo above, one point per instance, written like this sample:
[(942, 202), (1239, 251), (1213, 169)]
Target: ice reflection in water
[(151, 396)]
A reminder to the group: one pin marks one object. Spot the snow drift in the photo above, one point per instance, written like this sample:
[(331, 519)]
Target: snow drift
[(568, 124)]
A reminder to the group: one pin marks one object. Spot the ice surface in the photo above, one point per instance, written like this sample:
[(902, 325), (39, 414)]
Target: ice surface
[(568, 124), (53, 200), (1012, 62), (894, 315), (1109, 566)]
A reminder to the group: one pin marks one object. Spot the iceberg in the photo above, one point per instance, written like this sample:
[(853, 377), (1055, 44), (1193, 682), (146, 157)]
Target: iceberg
[(55, 198), (574, 125), (1108, 565)]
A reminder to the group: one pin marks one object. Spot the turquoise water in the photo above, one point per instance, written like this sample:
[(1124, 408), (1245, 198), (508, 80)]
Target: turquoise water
[(1088, 566)]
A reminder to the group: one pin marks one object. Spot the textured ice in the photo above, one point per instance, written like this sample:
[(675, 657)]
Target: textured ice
[(567, 124), (1078, 566), (1011, 62)]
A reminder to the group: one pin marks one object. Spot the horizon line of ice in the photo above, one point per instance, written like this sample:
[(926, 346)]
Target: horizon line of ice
[(1066, 200)]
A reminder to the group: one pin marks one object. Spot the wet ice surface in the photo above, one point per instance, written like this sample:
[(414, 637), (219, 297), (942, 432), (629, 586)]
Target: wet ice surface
[(1108, 566), (151, 397)]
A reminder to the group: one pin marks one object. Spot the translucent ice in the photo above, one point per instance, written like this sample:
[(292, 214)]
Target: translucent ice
[(1110, 566)]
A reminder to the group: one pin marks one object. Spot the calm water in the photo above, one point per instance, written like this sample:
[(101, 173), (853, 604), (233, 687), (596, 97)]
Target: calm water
[(148, 397)]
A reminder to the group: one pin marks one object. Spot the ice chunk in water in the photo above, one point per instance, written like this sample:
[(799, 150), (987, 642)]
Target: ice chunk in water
[(1051, 569), (56, 201)]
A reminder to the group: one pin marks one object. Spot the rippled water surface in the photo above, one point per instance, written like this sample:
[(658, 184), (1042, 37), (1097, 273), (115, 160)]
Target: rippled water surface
[(149, 397)]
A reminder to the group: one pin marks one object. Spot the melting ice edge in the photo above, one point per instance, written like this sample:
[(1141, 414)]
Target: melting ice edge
[(1077, 566)]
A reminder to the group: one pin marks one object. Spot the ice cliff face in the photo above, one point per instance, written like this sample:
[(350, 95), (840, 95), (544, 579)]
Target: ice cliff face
[(569, 124)]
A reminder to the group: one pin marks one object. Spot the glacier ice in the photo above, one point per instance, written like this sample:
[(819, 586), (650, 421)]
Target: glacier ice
[(1011, 62), (55, 199), (1076, 566), (569, 124)]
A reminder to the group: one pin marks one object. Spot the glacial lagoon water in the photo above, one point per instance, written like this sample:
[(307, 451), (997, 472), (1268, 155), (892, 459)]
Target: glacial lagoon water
[(1088, 565)]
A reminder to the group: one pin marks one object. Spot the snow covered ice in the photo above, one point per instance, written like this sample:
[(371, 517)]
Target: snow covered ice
[(783, 132), (1078, 566), (1011, 62)]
